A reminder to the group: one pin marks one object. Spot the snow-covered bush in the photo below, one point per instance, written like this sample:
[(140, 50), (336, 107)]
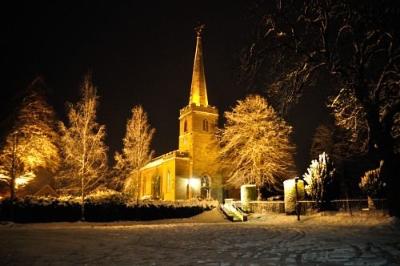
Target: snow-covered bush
[(106, 196), (106, 205), (319, 178), (372, 183)]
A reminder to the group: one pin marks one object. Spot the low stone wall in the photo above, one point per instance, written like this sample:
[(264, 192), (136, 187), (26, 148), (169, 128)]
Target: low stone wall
[(309, 206), (348, 205), (267, 206)]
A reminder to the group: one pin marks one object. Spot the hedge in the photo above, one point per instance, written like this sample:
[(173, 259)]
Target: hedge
[(116, 208)]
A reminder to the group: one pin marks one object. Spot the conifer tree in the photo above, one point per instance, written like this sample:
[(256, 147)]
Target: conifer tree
[(32, 141), (371, 183), (319, 178)]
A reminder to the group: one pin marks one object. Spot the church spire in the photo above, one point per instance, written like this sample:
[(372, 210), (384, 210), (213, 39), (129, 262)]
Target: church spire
[(198, 90)]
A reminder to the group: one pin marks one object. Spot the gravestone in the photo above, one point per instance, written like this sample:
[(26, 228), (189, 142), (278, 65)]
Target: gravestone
[(247, 193), (289, 187)]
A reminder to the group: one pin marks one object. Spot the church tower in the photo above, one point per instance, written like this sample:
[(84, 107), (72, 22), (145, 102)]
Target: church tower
[(197, 127), (193, 170)]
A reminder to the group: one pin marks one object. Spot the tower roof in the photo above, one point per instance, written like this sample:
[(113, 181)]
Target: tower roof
[(198, 90)]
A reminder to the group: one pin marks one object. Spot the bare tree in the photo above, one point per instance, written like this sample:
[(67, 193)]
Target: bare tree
[(12, 166), (322, 141), (355, 46), (396, 133), (255, 145), (85, 158), (136, 151), (339, 142), (32, 142)]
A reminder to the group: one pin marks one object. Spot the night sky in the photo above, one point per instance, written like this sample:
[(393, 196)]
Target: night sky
[(138, 54)]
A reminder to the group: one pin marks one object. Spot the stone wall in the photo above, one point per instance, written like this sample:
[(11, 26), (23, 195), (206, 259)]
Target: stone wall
[(267, 206), (309, 206)]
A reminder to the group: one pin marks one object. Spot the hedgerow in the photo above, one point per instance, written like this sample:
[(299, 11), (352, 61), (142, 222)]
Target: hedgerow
[(99, 207)]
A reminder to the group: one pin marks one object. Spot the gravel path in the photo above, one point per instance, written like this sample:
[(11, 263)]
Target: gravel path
[(207, 239)]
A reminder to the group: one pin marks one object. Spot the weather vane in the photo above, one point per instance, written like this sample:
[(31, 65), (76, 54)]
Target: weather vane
[(199, 29)]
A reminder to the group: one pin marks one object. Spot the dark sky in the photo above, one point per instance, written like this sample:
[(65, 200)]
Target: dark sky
[(138, 54)]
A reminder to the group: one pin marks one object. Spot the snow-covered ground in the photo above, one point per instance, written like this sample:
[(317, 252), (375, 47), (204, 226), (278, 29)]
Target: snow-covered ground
[(207, 239)]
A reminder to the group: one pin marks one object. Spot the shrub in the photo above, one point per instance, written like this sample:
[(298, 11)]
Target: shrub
[(319, 177), (372, 183), (100, 206), (106, 196)]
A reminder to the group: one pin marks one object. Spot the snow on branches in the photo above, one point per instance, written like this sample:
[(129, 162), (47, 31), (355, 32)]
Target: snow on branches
[(32, 142), (319, 178), (255, 145), (85, 158), (136, 151), (350, 116), (372, 183)]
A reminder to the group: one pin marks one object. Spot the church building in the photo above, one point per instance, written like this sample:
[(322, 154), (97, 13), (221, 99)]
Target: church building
[(192, 171)]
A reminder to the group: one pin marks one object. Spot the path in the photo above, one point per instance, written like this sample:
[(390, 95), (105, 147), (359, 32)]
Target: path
[(268, 240)]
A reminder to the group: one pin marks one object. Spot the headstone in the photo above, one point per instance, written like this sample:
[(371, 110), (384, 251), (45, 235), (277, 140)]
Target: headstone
[(289, 187), (247, 193)]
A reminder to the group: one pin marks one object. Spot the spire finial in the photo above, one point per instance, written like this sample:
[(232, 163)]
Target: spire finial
[(198, 90), (199, 29)]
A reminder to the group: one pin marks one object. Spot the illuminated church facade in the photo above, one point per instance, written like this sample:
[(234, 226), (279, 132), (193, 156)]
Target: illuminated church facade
[(192, 171)]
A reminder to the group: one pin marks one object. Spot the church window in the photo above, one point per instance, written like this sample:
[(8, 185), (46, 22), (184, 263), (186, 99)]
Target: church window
[(156, 186), (185, 126), (205, 125), (143, 183), (168, 181), (205, 187)]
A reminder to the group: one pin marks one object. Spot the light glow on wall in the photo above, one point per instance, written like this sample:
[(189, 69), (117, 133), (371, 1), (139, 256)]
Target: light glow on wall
[(194, 182)]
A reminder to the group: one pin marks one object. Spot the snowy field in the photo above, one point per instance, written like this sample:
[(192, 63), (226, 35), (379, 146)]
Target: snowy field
[(207, 239)]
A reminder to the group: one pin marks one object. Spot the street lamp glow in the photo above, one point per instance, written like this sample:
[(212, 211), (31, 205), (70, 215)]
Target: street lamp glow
[(194, 182)]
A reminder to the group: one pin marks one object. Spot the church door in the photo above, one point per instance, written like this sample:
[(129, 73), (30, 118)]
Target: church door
[(205, 187), (155, 188)]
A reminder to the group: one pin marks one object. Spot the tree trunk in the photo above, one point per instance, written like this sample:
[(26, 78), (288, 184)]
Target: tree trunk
[(12, 188), (390, 173), (13, 170), (82, 201), (371, 204), (138, 181), (381, 147), (389, 169)]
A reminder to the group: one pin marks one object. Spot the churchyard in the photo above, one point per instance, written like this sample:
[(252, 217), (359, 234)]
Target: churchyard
[(328, 238)]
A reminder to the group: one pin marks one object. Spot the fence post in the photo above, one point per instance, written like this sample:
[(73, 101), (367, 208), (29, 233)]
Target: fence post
[(348, 204), (297, 199)]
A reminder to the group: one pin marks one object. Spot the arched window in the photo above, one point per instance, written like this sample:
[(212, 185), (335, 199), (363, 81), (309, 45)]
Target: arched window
[(156, 186), (168, 181), (185, 126), (205, 125), (205, 187)]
